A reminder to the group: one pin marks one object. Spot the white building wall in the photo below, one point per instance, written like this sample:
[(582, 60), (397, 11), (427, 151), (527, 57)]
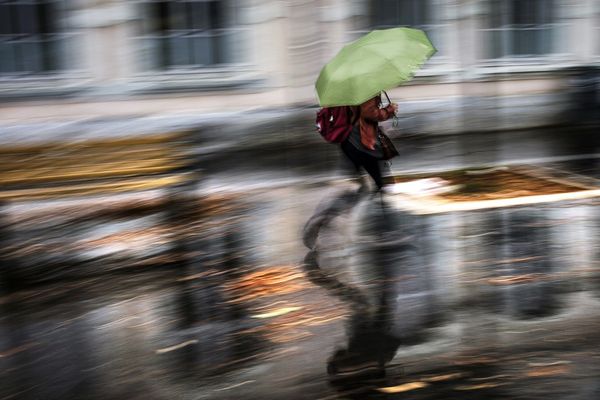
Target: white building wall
[(285, 45)]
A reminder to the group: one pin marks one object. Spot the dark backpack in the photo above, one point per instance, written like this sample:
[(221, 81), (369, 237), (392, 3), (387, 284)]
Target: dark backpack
[(334, 123)]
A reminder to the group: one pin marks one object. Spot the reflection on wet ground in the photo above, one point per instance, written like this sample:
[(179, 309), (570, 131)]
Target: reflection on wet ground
[(300, 292), (493, 321)]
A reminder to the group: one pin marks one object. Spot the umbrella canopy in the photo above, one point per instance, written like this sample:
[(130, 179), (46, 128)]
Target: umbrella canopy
[(380, 60)]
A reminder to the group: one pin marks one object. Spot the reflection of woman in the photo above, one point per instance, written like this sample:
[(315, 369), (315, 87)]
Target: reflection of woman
[(370, 342), (362, 146), (371, 345)]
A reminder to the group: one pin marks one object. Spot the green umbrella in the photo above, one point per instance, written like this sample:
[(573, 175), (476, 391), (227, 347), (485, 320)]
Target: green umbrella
[(380, 60)]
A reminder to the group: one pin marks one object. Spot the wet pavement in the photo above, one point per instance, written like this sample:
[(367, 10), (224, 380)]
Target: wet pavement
[(307, 290)]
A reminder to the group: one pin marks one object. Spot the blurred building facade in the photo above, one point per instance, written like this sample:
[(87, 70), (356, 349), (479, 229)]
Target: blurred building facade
[(500, 63)]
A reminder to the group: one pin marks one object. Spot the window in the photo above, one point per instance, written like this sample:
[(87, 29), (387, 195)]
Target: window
[(421, 14), (394, 13), (31, 38), (520, 28), (187, 33)]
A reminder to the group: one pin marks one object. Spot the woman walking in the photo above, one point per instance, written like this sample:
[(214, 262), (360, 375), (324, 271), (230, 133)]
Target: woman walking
[(362, 147)]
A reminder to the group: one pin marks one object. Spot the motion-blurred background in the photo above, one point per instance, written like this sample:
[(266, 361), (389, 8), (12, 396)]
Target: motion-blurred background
[(161, 182)]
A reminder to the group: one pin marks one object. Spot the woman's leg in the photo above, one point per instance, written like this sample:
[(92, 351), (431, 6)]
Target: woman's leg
[(371, 165), (351, 154), (368, 162)]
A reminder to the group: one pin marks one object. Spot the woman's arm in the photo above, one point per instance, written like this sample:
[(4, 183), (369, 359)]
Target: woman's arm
[(370, 110)]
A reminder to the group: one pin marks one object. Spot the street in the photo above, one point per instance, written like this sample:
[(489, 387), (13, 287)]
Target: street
[(289, 289)]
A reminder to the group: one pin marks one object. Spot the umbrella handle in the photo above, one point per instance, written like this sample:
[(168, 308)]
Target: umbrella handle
[(387, 97), (395, 120)]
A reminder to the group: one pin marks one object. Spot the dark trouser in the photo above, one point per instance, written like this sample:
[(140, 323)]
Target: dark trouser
[(362, 159)]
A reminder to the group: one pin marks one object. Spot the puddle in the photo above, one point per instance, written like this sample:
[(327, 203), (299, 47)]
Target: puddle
[(440, 282)]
